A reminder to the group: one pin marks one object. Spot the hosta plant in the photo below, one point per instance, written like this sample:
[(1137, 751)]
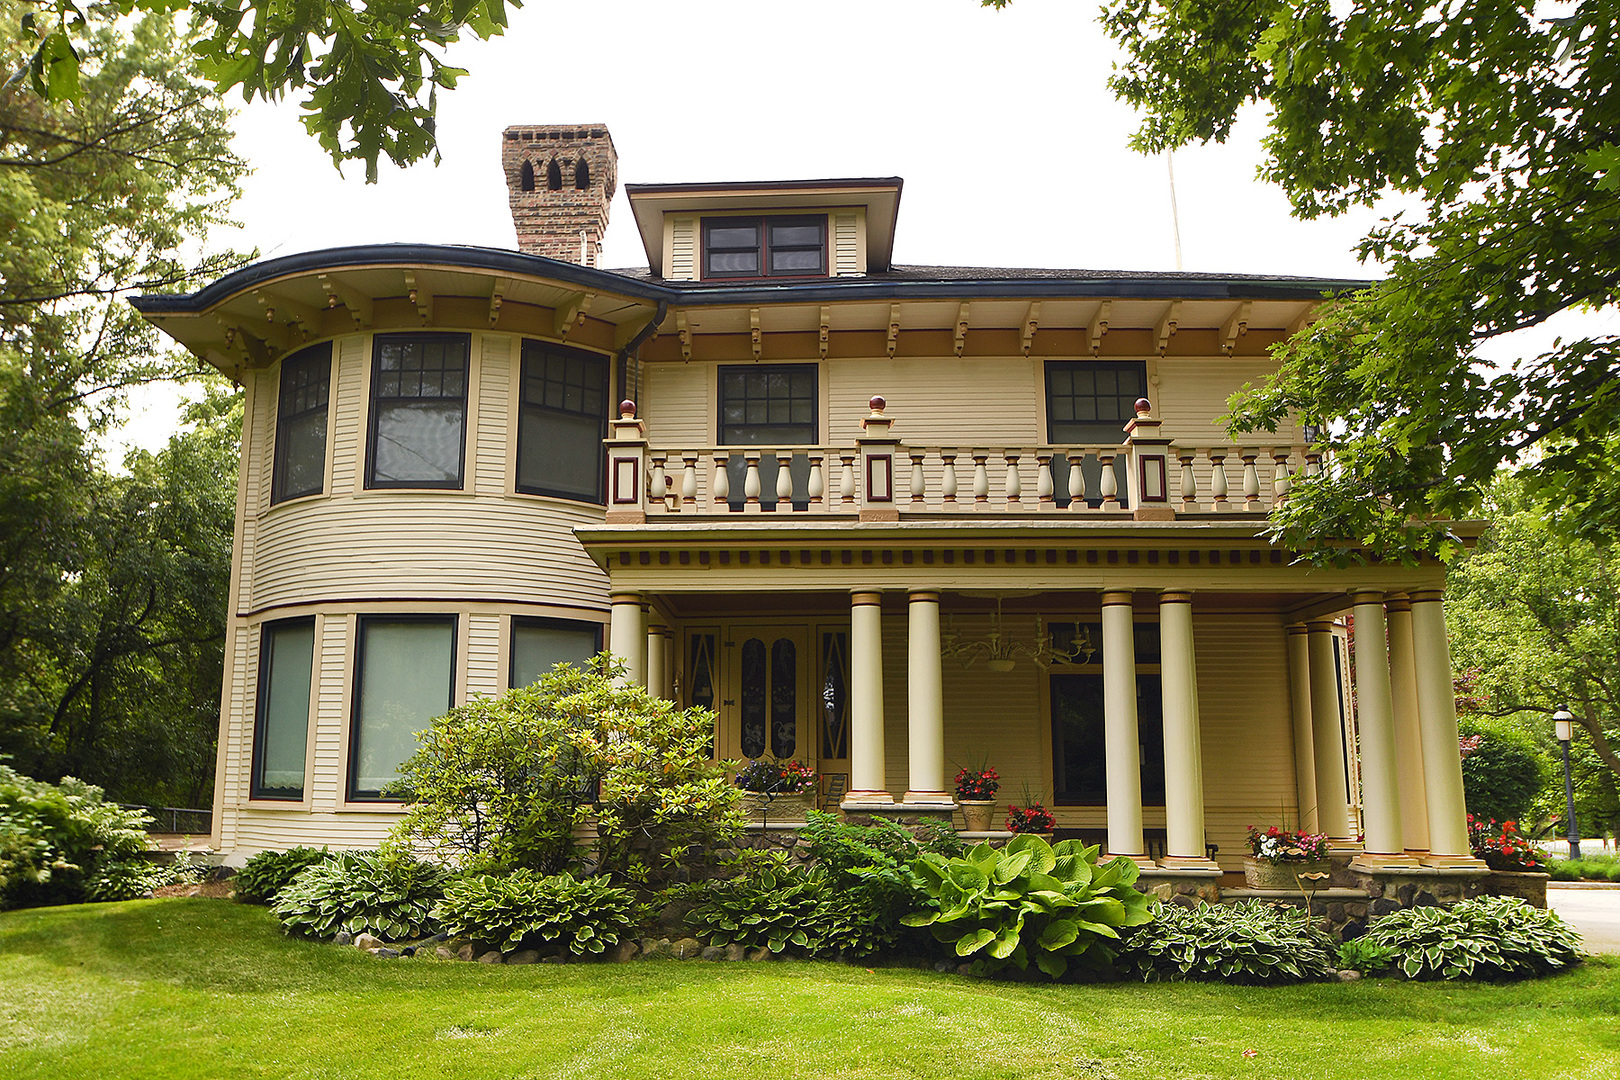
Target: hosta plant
[(1253, 941), (1492, 936), (1030, 901), (126, 879), (386, 894), (263, 877), (784, 907), (523, 908)]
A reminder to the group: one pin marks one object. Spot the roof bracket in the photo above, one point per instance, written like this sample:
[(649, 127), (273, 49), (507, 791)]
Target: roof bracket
[(894, 328), (685, 334), (570, 313), (420, 296), (826, 327), (1236, 327), (753, 332), (358, 303), (1032, 322), (497, 297), (1099, 326), (961, 328), (1304, 319), (1165, 329)]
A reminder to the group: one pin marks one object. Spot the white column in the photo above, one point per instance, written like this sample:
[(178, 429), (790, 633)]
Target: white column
[(1327, 736), (1183, 753), (1408, 738), (1299, 688), (1437, 721), (867, 780), (658, 672), (627, 636), (1122, 745), (1383, 844), (925, 702)]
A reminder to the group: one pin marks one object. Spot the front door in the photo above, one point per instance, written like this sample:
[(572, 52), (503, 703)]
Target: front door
[(766, 709)]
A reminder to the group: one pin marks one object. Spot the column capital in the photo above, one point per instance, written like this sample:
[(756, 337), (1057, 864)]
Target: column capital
[(1320, 626), (865, 598), (1427, 596), (624, 598), (1360, 597), (1397, 602), (1297, 628), (1117, 598), (1176, 596), (923, 596)]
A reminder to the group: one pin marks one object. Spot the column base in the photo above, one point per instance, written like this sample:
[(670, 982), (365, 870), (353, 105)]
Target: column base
[(864, 800), (1143, 860), (1189, 862), (930, 800), (1371, 862), (1455, 862)]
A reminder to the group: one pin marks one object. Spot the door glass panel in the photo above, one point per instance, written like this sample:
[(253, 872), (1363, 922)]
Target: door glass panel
[(701, 679), (752, 700), (835, 698), (784, 698)]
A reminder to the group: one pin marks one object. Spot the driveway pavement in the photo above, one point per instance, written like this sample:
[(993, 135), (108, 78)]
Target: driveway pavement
[(1594, 912)]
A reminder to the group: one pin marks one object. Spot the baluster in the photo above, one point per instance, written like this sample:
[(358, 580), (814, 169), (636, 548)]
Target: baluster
[(919, 482), (1282, 479), (784, 480), (1251, 480), (689, 481), (1189, 480), (1043, 481), (818, 479), (1077, 481), (981, 481), (1015, 486), (846, 480), (751, 482), (1110, 480), (1313, 462), (657, 487), (720, 487), (1217, 481), (947, 483)]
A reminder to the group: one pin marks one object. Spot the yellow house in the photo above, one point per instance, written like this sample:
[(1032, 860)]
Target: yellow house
[(886, 519)]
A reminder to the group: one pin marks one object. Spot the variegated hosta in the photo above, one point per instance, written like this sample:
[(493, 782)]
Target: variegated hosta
[(1031, 901)]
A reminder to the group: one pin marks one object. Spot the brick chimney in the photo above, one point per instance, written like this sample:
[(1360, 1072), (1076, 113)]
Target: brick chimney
[(560, 179)]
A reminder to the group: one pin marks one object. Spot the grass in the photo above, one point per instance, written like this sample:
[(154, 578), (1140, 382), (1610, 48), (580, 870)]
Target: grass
[(205, 988)]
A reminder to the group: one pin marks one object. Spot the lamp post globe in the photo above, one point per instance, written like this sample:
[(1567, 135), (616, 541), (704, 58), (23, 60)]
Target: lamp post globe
[(1564, 731)]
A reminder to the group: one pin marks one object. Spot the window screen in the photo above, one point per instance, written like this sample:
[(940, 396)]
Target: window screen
[(1091, 401), (562, 421), (538, 645), (768, 405), (765, 247), (281, 727), (402, 681), (418, 411), (300, 466)]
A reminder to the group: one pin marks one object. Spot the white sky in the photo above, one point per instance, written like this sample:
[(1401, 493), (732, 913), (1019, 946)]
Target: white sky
[(1012, 148)]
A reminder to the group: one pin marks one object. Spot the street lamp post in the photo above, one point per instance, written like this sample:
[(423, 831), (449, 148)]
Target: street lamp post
[(1564, 730)]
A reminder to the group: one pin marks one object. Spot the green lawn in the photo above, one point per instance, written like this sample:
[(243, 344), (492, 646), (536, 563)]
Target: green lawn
[(207, 988)]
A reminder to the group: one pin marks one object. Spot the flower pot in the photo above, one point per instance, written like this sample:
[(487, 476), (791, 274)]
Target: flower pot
[(978, 815), (1291, 875), (779, 810)]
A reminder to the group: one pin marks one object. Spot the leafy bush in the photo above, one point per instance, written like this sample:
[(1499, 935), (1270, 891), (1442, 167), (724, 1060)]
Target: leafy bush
[(54, 838), (126, 879), (1030, 900), (1490, 936), (1590, 868), (876, 861), (525, 909), (778, 905), (501, 783), (1367, 957), (386, 894), (1248, 942), (1502, 771), (267, 873)]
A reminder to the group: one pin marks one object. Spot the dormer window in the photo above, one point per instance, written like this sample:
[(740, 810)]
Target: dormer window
[(744, 247)]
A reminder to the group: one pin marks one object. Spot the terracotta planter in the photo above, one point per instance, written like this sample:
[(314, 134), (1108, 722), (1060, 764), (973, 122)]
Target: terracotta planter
[(978, 815), (779, 810), (1266, 874)]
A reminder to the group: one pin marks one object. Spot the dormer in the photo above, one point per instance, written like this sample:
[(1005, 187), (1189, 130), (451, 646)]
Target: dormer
[(789, 230)]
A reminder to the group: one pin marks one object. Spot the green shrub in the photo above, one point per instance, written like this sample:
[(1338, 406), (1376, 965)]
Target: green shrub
[(126, 879), (875, 862), (1492, 936), (386, 894), (1367, 957), (525, 909), (1502, 772), (54, 837), (1248, 942), (268, 872), (786, 907), (1030, 900), (1590, 868)]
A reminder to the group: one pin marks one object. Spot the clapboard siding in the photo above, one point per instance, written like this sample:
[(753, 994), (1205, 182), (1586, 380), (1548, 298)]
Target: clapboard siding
[(939, 401), (679, 403), (277, 830), (1192, 395), (331, 712), (489, 471), (484, 674)]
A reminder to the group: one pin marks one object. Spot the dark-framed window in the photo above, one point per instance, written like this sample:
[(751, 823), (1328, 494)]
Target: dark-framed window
[(1079, 724), (562, 420), (404, 676), (1089, 402), (538, 645), (281, 719), (301, 406), (418, 431), (779, 246), (768, 404)]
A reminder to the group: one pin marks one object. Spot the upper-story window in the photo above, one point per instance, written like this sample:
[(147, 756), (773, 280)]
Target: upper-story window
[(418, 411), (300, 466), (562, 420), (1090, 401), (768, 404), (742, 247)]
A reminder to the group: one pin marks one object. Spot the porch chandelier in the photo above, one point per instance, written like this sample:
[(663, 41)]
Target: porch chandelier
[(1001, 652)]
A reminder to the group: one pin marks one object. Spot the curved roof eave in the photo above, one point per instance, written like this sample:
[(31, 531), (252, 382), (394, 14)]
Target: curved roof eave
[(962, 284)]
